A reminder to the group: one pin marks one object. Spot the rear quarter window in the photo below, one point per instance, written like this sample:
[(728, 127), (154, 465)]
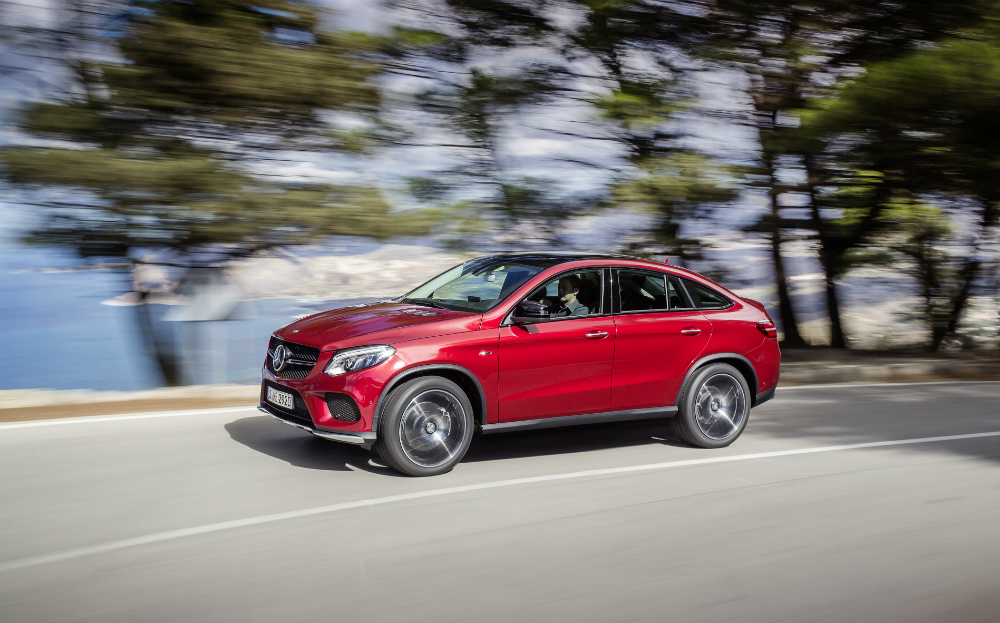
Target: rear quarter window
[(704, 297)]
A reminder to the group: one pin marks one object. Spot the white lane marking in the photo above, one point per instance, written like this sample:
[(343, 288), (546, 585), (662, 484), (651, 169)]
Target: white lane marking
[(158, 414), (94, 419), (158, 537)]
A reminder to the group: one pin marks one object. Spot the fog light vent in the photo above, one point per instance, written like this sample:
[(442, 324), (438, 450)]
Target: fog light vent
[(342, 407)]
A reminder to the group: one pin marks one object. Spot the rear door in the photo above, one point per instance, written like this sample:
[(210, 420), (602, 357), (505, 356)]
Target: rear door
[(659, 334), (560, 367)]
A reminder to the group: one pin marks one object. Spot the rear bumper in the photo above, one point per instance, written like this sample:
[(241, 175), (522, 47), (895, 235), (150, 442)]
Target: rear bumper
[(764, 397), (363, 439)]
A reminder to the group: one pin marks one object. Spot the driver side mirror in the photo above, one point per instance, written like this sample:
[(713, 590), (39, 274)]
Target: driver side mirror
[(529, 312)]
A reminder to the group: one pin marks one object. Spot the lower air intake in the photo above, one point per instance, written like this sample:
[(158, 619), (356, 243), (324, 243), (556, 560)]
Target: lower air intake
[(343, 408)]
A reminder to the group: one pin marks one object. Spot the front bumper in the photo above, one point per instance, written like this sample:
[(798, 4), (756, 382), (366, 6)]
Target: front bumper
[(364, 387), (363, 439)]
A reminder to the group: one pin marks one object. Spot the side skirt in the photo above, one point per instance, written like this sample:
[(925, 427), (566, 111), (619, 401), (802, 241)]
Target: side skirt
[(577, 420)]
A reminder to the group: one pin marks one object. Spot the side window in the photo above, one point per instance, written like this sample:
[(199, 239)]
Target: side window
[(579, 293), (705, 298), (642, 291), (677, 297)]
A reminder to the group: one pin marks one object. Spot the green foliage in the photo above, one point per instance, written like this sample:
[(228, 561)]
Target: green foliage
[(889, 111), (916, 133), (680, 183), (676, 188), (640, 105), (170, 148), (931, 120), (919, 234), (427, 189), (636, 45), (633, 107), (792, 53), (474, 110)]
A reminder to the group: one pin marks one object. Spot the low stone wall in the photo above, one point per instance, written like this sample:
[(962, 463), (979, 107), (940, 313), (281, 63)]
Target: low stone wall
[(887, 371), (36, 404)]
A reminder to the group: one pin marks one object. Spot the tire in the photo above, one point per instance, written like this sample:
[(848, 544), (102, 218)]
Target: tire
[(426, 427), (714, 407)]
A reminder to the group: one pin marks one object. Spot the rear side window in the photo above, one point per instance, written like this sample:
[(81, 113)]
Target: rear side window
[(705, 298), (642, 291)]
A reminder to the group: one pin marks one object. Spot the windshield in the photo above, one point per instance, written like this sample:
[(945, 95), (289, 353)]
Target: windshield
[(476, 286)]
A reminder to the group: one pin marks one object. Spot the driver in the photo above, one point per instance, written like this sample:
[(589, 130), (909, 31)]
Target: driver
[(569, 289)]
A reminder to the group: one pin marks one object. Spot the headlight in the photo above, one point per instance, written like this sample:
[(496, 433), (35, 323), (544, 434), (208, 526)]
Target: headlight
[(351, 359)]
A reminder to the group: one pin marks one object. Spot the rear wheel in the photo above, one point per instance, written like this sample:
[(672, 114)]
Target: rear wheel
[(426, 427), (714, 408)]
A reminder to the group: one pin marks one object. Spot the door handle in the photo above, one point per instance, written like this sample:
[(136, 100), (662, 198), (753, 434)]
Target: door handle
[(690, 331), (596, 335)]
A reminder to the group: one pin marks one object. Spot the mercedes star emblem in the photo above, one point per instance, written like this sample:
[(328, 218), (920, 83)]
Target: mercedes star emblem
[(280, 358)]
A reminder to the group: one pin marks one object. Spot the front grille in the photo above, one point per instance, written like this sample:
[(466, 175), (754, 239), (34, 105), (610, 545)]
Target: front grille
[(300, 412), (343, 408), (293, 371)]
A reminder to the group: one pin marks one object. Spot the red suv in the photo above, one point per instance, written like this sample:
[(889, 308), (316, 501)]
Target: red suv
[(521, 341)]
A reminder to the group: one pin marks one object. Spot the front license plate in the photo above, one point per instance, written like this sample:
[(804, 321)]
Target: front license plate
[(282, 399)]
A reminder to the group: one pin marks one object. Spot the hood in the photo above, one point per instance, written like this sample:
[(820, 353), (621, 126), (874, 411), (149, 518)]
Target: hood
[(380, 323)]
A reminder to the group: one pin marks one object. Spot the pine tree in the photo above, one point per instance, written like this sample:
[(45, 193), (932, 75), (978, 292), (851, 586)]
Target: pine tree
[(167, 147)]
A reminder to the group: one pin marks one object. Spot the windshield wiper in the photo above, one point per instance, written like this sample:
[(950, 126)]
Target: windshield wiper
[(425, 303)]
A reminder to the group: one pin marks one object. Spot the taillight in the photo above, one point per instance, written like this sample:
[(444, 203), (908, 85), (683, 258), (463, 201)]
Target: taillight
[(767, 328)]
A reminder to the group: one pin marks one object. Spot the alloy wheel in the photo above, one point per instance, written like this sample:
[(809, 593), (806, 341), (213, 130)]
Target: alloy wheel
[(432, 428), (720, 406)]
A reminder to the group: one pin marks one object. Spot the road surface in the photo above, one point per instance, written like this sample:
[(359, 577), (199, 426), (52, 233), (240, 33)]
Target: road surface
[(815, 514)]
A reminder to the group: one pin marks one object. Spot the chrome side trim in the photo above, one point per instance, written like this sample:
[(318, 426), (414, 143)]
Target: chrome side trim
[(577, 420)]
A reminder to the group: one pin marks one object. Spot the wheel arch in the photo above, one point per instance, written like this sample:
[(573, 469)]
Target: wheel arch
[(456, 374), (739, 362)]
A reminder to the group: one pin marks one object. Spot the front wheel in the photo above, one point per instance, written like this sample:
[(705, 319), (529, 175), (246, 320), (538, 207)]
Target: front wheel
[(426, 427), (714, 407)]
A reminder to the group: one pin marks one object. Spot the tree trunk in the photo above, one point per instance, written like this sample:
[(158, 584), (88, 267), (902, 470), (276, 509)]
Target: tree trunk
[(163, 355), (937, 336), (793, 338), (967, 276), (837, 339), (930, 288)]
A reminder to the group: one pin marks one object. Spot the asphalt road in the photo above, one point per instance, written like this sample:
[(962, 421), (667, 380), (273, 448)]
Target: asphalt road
[(232, 516)]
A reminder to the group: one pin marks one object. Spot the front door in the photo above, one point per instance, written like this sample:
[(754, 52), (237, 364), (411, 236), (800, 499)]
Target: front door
[(659, 335), (560, 367)]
